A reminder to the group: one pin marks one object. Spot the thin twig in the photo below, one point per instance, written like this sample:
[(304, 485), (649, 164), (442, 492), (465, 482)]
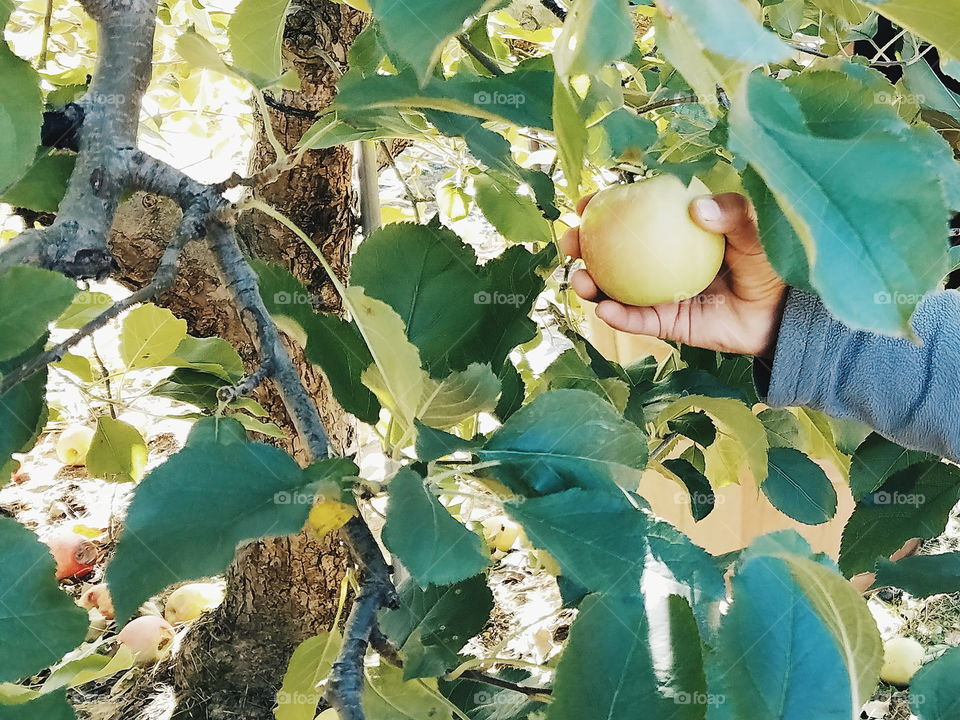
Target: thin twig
[(407, 190), (106, 378), (670, 102), (479, 55), (247, 385)]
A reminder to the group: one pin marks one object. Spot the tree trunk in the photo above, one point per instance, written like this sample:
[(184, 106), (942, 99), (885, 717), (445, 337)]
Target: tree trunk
[(279, 591)]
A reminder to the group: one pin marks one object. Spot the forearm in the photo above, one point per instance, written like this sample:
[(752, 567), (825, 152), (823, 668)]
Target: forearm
[(907, 392)]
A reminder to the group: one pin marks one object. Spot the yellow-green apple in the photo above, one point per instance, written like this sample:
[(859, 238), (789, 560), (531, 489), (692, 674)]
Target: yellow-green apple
[(73, 444), (902, 658), (641, 246), (501, 532), (190, 601)]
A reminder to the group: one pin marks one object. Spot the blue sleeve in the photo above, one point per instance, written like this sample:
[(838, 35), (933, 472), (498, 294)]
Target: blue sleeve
[(908, 392)]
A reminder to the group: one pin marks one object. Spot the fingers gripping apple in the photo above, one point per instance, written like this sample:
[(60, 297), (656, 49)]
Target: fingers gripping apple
[(641, 246)]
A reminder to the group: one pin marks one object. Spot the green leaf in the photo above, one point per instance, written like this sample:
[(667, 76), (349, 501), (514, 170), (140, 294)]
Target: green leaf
[(433, 444), (790, 134), (212, 355), (921, 575), (30, 299), (799, 488), (431, 279), (702, 498), (77, 365), (118, 452), (89, 668), (598, 539), (20, 116), (915, 502), (38, 622), (208, 496), (934, 22), (594, 34), (216, 431), (435, 548), (431, 625), (849, 11), (46, 707), (86, 306), (626, 136), (741, 442), (333, 344), (481, 701), (875, 460), (935, 689), (309, 666), (515, 216), (43, 185), (459, 396), (571, 131), (387, 696), (783, 428), (22, 411), (417, 32), (523, 97), (801, 639), (570, 371), (620, 663), (726, 28), (567, 439), (149, 335), (256, 38)]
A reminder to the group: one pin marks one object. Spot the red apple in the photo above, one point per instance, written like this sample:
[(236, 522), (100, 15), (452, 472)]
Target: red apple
[(74, 554)]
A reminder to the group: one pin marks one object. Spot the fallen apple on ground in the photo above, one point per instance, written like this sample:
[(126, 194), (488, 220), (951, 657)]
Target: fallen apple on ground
[(74, 554), (73, 444), (98, 596), (641, 247), (190, 601), (501, 533), (902, 658), (148, 637)]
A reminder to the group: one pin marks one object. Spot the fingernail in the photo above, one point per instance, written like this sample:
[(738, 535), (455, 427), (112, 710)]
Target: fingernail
[(708, 209)]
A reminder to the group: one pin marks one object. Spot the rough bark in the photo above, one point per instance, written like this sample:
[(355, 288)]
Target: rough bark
[(279, 591)]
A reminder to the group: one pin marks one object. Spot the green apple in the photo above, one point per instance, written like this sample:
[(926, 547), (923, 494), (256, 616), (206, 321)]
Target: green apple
[(902, 658), (641, 246), (73, 444), (190, 601)]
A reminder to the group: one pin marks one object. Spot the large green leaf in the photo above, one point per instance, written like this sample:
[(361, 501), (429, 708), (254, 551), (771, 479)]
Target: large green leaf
[(622, 663), (43, 185), (523, 97), (921, 575), (20, 112), (189, 514), (599, 539), (432, 280), (46, 707), (435, 548), (309, 666), (256, 37), (915, 502), (875, 460), (594, 34), (726, 28), (799, 488), (30, 299), (386, 696), (570, 370), (118, 452), (809, 142), (417, 32), (22, 411), (936, 22), (432, 625), (516, 217), (212, 355), (570, 128), (798, 642), (38, 622), (149, 335), (935, 690), (333, 344), (566, 439)]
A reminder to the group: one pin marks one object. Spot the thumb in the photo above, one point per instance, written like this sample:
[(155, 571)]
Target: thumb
[(729, 214)]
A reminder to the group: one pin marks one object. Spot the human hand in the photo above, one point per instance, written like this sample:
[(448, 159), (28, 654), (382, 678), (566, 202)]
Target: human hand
[(739, 312)]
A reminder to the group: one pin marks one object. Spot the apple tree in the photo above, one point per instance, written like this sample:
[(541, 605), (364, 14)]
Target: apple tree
[(845, 143)]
